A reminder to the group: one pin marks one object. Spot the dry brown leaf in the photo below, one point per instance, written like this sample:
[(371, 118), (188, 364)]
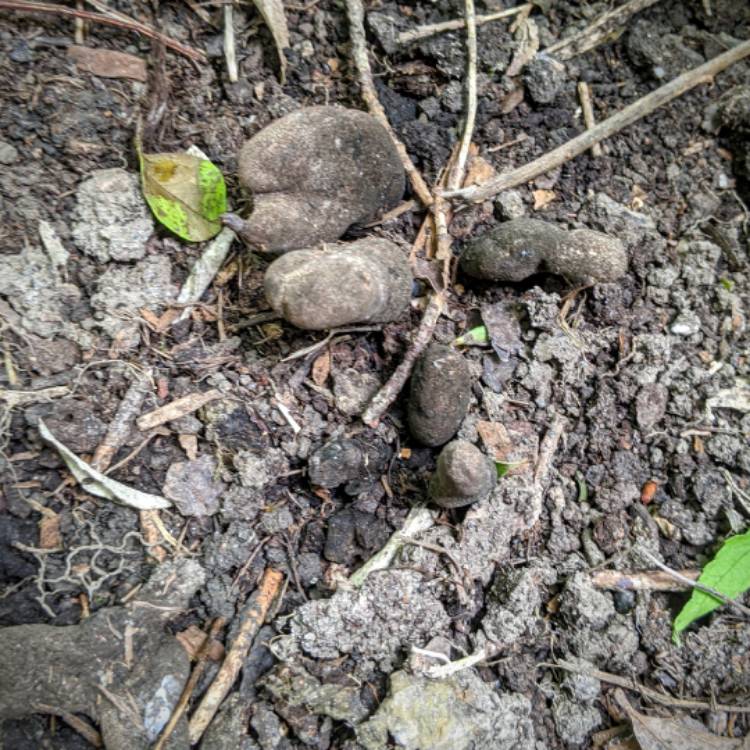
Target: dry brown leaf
[(495, 438), (478, 172), (511, 101), (543, 198), (151, 318), (108, 63), (321, 368), (189, 443), (674, 733), (192, 638), (49, 531), (275, 18)]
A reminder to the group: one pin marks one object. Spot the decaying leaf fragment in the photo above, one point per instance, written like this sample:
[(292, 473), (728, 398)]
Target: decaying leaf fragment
[(681, 733), (186, 193), (275, 18), (97, 483)]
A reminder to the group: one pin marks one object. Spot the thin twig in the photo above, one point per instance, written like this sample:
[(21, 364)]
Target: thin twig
[(229, 48), (584, 94), (253, 616), (407, 37), (691, 704), (110, 20), (200, 665), (388, 393), (741, 608), (459, 168), (632, 113), (643, 580), (596, 32), (356, 15)]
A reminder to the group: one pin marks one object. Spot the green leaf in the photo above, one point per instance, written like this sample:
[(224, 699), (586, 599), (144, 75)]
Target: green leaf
[(503, 468), (728, 573), (186, 193), (475, 337)]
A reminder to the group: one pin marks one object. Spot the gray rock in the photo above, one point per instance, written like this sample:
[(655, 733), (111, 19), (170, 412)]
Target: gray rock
[(464, 475), (277, 520), (367, 281), (260, 468), (459, 713), (113, 221), (8, 153), (191, 486), (650, 45), (519, 248), (439, 395), (574, 721), (510, 205), (650, 405), (353, 390), (314, 173), (544, 77), (584, 606), (343, 460), (374, 622)]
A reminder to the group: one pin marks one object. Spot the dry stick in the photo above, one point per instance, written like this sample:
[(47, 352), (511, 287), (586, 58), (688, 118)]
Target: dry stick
[(457, 173), (596, 32), (176, 409), (632, 113), (110, 20), (643, 580), (356, 15), (654, 695), (407, 37), (584, 94), (387, 394), (741, 608), (252, 618), (200, 665), (229, 48), (74, 722)]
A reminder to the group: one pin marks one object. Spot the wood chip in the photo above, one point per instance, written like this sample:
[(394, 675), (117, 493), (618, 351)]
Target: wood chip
[(543, 198), (49, 531), (108, 63), (192, 638), (176, 409), (189, 443), (321, 368)]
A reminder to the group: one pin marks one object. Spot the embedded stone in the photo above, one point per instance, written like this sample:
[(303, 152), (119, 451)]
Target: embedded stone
[(439, 395), (367, 281), (464, 475)]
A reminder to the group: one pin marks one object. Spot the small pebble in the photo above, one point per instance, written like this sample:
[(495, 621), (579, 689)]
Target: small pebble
[(464, 475), (544, 77), (8, 153), (624, 601), (313, 174), (519, 248), (367, 281), (439, 395)]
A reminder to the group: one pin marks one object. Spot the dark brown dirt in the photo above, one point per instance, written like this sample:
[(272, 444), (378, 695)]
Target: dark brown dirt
[(630, 365)]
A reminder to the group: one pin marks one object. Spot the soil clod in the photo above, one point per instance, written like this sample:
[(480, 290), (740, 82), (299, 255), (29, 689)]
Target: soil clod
[(314, 173), (517, 249)]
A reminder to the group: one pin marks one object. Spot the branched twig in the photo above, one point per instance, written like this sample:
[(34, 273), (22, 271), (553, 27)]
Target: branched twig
[(122, 22), (632, 113), (356, 14), (407, 37)]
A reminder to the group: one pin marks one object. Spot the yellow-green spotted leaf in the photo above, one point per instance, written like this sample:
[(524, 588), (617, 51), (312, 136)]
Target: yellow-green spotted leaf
[(186, 193)]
